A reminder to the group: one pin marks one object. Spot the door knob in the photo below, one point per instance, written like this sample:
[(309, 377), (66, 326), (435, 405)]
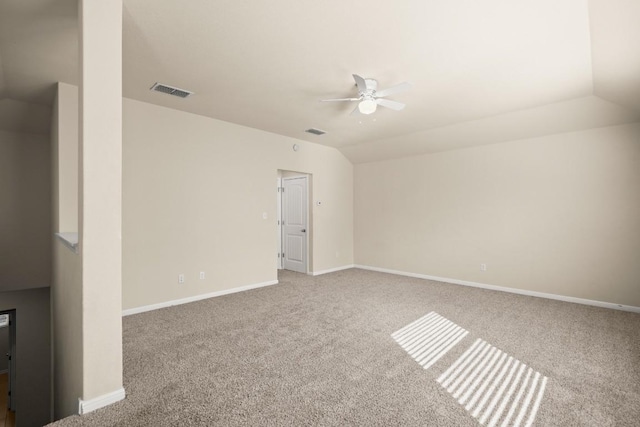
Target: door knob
[(304, 230)]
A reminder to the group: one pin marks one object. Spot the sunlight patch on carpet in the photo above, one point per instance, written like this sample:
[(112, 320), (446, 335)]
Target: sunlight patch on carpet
[(429, 338), (495, 388)]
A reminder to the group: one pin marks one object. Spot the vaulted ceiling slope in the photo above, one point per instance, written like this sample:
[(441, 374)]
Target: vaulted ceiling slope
[(38, 47), (483, 72)]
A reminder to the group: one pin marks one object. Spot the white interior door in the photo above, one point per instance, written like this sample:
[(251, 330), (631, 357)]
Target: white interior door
[(294, 228)]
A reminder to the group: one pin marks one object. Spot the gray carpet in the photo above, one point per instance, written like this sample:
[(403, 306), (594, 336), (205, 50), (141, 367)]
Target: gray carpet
[(319, 351)]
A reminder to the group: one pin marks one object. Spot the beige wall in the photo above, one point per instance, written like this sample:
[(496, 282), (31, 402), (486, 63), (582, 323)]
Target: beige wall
[(65, 159), (66, 306), (66, 289), (194, 191), (25, 211), (558, 214), (33, 349)]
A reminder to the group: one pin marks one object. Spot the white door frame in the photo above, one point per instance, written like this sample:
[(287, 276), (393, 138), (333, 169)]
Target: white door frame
[(307, 219), (11, 384), (279, 221)]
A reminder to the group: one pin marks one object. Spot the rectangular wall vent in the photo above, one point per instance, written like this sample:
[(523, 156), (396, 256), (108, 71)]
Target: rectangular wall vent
[(315, 131), (169, 90)]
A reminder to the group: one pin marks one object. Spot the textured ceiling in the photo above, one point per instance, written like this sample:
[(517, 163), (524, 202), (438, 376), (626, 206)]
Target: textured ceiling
[(615, 41), (483, 72)]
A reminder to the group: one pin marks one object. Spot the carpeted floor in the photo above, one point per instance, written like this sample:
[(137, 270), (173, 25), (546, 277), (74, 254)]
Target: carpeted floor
[(319, 351)]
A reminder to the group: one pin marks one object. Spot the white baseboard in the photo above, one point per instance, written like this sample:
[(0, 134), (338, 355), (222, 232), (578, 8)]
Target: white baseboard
[(564, 298), (332, 270), (86, 406), (151, 307)]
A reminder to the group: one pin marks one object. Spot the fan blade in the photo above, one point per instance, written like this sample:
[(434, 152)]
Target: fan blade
[(362, 85), (390, 104), (393, 89), (356, 112), (340, 99)]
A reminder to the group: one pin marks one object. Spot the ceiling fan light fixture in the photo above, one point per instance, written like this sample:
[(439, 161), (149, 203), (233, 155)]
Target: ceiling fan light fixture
[(367, 106), (369, 97)]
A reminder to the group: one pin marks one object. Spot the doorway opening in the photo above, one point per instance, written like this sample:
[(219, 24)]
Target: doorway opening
[(294, 221), (7, 367)]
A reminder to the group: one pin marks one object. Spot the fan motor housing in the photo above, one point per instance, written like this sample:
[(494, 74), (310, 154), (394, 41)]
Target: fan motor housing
[(372, 84)]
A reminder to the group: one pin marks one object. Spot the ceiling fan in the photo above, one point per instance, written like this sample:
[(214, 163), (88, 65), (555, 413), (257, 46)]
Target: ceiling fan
[(370, 97)]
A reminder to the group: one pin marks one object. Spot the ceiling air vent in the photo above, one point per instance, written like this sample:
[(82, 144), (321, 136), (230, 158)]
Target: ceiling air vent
[(315, 131), (181, 93)]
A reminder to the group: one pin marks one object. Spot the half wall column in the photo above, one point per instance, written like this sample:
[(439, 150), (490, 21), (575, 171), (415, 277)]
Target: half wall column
[(100, 200)]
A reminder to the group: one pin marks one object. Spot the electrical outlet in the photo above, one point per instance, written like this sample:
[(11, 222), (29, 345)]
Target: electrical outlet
[(202, 275), (483, 267), (180, 278)]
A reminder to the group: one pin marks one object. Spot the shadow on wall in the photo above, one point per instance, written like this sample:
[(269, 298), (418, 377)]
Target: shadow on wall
[(33, 354), (25, 191)]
